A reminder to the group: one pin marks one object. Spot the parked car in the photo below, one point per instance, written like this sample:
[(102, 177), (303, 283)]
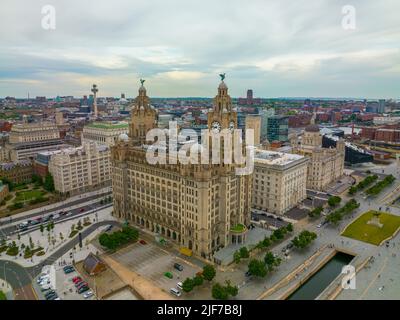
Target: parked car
[(82, 284), (69, 270), (45, 289), (142, 242), (43, 278), (44, 282), (175, 292), (248, 274), (168, 275), (179, 285), (76, 279), (78, 282), (51, 292), (88, 294), (178, 267), (83, 289), (108, 228), (52, 297), (68, 267)]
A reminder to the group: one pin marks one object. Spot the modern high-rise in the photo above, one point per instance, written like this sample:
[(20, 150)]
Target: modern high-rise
[(265, 114), (278, 128), (202, 207), (279, 181)]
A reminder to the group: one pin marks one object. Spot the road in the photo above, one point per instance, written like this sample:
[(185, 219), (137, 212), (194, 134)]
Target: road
[(10, 219), (9, 230), (20, 278)]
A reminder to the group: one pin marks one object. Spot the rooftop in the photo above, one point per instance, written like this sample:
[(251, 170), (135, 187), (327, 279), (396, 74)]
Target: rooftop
[(275, 158), (108, 125)]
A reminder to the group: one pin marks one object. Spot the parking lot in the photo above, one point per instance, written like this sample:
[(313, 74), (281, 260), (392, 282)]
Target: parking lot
[(151, 262), (65, 288)]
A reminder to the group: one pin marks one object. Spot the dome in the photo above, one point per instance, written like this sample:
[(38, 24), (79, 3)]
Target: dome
[(312, 128), (123, 137), (222, 85)]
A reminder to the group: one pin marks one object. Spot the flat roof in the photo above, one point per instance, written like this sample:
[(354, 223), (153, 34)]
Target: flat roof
[(275, 158), (107, 125)]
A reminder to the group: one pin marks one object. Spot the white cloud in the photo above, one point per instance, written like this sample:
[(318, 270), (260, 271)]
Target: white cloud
[(180, 46)]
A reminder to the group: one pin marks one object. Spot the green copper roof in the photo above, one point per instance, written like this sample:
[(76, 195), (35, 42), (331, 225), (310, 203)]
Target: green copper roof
[(106, 125)]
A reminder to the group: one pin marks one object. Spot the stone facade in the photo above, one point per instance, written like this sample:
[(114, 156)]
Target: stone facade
[(326, 165), (279, 181), (17, 171), (104, 132), (80, 169), (194, 205)]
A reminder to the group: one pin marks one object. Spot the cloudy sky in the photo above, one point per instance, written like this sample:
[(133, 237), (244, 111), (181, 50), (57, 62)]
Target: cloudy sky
[(295, 48)]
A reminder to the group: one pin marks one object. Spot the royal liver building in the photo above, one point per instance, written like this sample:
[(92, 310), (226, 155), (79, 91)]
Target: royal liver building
[(201, 206)]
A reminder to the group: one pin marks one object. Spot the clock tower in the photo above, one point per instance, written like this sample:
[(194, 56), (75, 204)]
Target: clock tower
[(222, 116), (143, 117)]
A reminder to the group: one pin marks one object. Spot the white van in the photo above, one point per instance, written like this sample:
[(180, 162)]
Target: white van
[(175, 292)]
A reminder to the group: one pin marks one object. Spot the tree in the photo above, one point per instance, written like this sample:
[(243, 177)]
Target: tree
[(271, 261), (266, 242), (304, 239), (188, 285), (230, 289), (198, 280), (334, 201), (219, 292), (37, 179), (49, 182), (273, 238), (41, 228), (8, 182), (31, 244), (279, 233), (289, 227), (315, 213), (257, 268), (209, 272), (236, 256), (244, 253)]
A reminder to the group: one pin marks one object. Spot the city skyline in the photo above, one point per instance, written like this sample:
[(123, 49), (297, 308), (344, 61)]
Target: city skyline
[(278, 50)]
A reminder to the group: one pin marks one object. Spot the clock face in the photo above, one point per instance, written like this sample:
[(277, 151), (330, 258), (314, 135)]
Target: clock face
[(215, 126), (231, 125)]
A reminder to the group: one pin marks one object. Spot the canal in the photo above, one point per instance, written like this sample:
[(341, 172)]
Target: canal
[(311, 289)]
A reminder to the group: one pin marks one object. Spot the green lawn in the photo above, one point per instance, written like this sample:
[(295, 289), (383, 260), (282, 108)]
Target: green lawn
[(360, 230), (28, 195), (238, 228), (3, 296)]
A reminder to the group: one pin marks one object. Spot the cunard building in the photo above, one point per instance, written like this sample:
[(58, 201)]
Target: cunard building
[(202, 207)]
